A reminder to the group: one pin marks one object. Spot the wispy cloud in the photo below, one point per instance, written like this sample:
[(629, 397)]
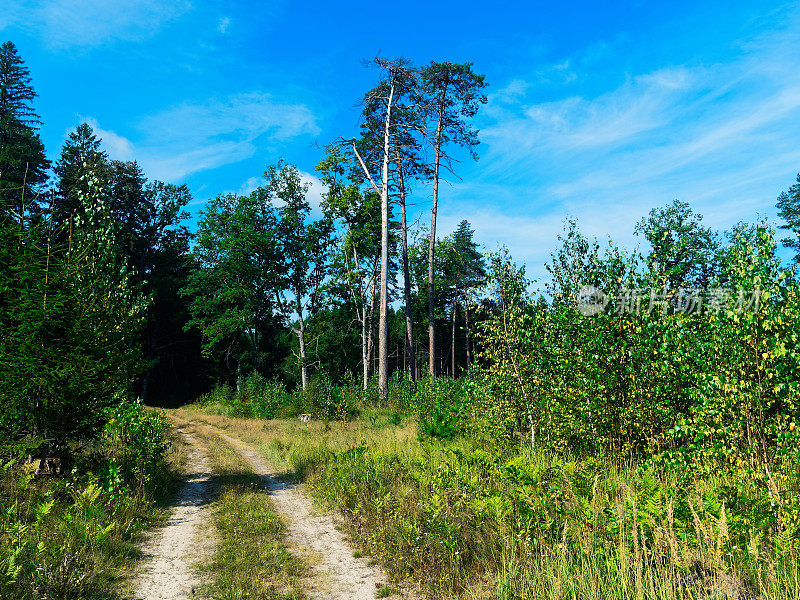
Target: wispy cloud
[(191, 138), (721, 136), (76, 23), (640, 105), (247, 116), (223, 24), (116, 146)]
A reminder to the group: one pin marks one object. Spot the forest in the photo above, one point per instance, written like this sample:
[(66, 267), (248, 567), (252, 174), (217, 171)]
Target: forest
[(628, 428)]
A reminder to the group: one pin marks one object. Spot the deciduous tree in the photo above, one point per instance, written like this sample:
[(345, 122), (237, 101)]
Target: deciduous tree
[(302, 248)]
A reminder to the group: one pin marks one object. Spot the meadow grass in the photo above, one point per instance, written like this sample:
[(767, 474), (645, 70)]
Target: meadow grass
[(475, 522)]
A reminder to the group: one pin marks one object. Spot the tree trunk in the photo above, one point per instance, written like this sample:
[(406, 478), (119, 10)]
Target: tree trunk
[(301, 338), (453, 340), (466, 331), (432, 241), (370, 342), (383, 326), (412, 359), (364, 357)]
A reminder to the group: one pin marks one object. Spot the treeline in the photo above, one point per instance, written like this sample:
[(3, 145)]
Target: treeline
[(334, 279), (106, 294), (686, 354), (92, 261)]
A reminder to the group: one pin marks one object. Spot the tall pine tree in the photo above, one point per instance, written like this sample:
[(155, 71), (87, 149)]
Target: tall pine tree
[(454, 93), (23, 165)]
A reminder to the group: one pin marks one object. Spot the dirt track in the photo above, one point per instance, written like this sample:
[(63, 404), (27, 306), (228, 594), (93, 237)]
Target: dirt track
[(171, 554), (170, 573)]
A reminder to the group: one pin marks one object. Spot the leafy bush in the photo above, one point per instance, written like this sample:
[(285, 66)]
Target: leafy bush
[(137, 444), (256, 397), (325, 401), (439, 403), (68, 537), (400, 392), (647, 382)]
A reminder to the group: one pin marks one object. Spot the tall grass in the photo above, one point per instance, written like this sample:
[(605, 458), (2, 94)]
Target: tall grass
[(471, 521), (251, 560)]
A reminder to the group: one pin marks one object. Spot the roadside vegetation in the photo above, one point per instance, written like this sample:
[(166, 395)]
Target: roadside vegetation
[(618, 450), (76, 535), (471, 519), (85, 263)]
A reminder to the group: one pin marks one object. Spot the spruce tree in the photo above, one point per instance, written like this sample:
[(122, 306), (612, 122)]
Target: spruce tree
[(789, 211), (81, 154), (23, 165)]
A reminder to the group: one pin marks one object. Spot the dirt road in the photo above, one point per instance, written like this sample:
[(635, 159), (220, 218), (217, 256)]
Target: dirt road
[(170, 570)]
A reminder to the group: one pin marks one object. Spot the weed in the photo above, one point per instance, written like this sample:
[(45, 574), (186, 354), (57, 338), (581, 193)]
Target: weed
[(463, 518)]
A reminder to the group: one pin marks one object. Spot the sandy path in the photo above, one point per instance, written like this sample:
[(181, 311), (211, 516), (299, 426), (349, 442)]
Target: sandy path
[(171, 555), (337, 574)]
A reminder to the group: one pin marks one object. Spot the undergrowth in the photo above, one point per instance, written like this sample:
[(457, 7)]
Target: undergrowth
[(75, 536), (472, 521)]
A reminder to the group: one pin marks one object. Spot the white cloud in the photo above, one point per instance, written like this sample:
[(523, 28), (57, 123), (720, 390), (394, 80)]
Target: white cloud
[(190, 138), (223, 24), (239, 116), (194, 137), (720, 136), (177, 161), (116, 146), (316, 192), (640, 105), (77, 23), (250, 186)]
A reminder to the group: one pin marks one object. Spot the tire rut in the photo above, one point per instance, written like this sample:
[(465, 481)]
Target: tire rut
[(172, 554), (338, 575)]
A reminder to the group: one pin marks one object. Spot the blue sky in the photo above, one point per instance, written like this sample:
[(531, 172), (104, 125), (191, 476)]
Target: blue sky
[(597, 110)]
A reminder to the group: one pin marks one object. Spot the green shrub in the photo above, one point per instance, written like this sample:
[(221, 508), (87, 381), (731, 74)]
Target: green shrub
[(400, 392), (439, 403), (256, 397), (260, 397), (69, 537), (137, 444), (325, 401)]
